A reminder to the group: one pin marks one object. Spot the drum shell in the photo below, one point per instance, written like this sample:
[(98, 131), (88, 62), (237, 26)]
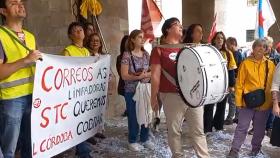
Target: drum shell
[(202, 75)]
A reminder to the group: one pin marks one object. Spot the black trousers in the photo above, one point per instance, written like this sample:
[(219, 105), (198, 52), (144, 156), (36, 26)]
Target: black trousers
[(218, 120), (275, 137)]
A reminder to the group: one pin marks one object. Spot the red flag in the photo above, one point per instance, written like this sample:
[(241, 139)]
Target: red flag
[(213, 29), (150, 15)]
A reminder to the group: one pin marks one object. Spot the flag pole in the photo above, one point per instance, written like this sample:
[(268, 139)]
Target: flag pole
[(101, 34), (277, 26)]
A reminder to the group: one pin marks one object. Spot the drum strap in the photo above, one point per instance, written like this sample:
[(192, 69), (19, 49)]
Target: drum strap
[(171, 45), (169, 77)]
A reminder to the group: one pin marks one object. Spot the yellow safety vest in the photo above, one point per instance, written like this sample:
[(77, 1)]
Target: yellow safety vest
[(75, 51), (19, 83)]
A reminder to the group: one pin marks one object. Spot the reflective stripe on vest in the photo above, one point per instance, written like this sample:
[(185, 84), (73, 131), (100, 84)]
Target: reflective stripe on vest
[(17, 82)]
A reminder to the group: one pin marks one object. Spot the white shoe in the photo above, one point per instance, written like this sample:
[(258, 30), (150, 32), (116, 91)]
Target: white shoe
[(135, 147), (149, 144)]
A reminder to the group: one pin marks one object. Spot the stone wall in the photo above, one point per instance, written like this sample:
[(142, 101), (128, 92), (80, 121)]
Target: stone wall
[(49, 20), (274, 30), (199, 11)]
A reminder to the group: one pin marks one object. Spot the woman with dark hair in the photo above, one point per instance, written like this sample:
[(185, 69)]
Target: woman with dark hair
[(134, 69), (219, 41), (193, 34), (89, 29), (118, 66), (163, 59)]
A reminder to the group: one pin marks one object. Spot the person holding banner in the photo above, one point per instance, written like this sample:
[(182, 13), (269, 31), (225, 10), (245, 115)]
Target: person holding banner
[(76, 49), (95, 47), (275, 137), (163, 59), (135, 69), (17, 57)]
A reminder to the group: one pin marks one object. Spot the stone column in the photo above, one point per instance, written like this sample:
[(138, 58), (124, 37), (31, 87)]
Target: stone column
[(199, 11)]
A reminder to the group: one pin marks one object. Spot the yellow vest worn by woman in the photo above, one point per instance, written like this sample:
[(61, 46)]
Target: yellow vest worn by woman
[(19, 83), (75, 51)]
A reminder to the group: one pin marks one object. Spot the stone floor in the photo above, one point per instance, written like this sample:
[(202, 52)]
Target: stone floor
[(115, 145)]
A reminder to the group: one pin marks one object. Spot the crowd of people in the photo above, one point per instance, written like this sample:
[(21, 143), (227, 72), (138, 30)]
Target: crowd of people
[(256, 75), (246, 74)]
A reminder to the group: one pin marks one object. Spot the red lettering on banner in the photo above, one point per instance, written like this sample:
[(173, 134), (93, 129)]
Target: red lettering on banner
[(66, 77), (58, 83), (59, 113), (33, 151), (66, 73), (78, 74), (51, 142), (43, 83), (44, 125), (90, 69)]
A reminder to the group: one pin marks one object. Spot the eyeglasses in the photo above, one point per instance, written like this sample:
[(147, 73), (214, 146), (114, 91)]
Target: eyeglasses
[(176, 24)]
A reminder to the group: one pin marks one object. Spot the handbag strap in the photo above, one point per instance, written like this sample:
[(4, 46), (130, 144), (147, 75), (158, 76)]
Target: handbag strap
[(132, 60), (14, 38), (266, 73)]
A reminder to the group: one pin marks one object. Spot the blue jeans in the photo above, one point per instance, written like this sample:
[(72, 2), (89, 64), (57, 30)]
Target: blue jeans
[(83, 150), (16, 124), (133, 127)]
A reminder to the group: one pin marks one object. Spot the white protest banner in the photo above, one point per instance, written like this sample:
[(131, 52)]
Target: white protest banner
[(69, 101)]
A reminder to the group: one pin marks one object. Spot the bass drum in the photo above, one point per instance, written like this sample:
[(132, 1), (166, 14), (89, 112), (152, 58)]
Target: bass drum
[(202, 75)]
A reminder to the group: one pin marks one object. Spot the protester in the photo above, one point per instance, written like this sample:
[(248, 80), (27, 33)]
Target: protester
[(275, 58), (275, 137), (219, 41), (94, 45), (77, 49), (89, 29), (194, 34), (232, 116), (272, 53), (118, 66), (134, 69), (255, 73), (163, 59), (16, 79)]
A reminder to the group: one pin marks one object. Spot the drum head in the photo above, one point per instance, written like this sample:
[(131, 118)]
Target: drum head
[(190, 77)]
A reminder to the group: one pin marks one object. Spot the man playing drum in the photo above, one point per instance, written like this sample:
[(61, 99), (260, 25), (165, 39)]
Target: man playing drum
[(164, 59)]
